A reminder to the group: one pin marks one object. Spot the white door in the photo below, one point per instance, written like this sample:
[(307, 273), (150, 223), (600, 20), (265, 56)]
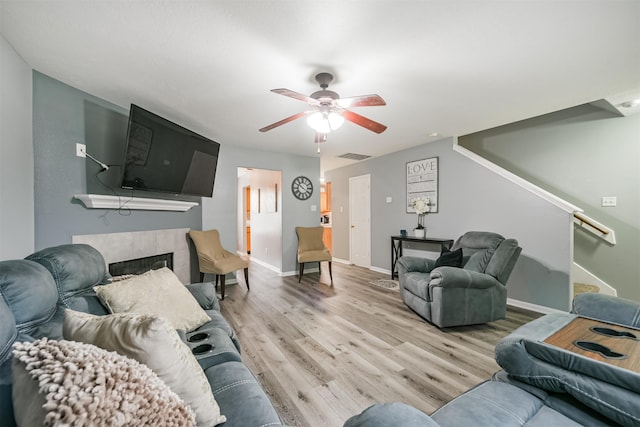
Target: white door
[(360, 220)]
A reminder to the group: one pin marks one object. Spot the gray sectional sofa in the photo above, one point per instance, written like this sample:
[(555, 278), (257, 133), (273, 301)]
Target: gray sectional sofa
[(542, 384), (35, 292)]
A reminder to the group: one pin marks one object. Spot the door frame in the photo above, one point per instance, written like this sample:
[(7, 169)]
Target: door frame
[(367, 206)]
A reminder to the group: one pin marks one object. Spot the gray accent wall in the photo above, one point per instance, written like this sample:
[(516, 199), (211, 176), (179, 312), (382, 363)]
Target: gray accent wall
[(62, 117), (40, 173), (16, 155), (471, 197), (581, 154)]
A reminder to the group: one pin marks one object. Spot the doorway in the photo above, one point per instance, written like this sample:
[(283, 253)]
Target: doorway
[(360, 220), (246, 220), (259, 215)]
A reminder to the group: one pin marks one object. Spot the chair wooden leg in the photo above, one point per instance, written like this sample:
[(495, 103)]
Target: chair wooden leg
[(201, 277), (222, 276), (301, 272), (217, 276), (319, 267), (246, 277), (330, 276)]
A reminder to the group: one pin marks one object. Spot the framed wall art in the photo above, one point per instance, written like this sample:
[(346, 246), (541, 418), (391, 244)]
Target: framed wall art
[(422, 181)]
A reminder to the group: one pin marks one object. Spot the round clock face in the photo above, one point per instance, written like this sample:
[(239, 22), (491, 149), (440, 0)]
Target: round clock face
[(302, 188)]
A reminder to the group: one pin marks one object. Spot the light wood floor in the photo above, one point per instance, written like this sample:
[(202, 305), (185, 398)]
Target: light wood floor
[(324, 353)]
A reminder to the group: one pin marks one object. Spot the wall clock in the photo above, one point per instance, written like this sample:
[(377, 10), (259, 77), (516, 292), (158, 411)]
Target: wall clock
[(302, 187)]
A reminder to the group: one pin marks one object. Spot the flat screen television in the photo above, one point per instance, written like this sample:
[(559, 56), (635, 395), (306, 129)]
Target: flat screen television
[(165, 157)]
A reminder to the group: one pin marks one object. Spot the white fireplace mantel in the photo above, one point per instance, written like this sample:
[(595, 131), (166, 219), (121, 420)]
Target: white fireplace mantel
[(101, 201)]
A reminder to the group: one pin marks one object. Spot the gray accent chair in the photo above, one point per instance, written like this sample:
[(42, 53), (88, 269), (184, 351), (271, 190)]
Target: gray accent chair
[(452, 296)]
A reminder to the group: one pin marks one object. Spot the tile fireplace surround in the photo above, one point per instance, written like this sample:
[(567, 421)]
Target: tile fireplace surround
[(116, 247)]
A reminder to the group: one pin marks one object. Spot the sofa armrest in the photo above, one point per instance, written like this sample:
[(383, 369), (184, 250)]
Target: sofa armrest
[(205, 294), (608, 309), (453, 277), (607, 389), (391, 414), (409, 264)]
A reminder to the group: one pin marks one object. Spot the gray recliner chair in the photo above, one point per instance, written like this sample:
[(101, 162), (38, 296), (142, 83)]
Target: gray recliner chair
[(475, 292)]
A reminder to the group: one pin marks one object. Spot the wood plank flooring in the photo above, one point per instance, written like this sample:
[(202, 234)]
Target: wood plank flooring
[(324, 353)]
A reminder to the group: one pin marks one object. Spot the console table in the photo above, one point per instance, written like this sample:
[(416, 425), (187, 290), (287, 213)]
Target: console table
[(396, 247)]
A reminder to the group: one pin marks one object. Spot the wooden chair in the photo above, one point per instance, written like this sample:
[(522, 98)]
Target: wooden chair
[(311, 248), (214, 259)]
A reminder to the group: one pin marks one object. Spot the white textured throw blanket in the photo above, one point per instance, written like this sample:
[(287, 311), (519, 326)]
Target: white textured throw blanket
[(87, 386)]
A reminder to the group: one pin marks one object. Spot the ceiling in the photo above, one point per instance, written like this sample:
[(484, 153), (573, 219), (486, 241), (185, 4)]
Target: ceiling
[(445, 68)]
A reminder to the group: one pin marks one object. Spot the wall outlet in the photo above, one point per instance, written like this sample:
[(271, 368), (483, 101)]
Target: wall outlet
[(609, 201), (81, 150), (314, 208)]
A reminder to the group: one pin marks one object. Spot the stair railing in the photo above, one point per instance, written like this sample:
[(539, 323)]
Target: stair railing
[(594, 227)]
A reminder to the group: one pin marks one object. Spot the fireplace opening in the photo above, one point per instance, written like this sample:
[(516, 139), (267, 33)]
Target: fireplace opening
[(141, 265)]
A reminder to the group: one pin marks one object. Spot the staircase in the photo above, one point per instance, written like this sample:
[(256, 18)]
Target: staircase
[(582, 280), (585, 281)]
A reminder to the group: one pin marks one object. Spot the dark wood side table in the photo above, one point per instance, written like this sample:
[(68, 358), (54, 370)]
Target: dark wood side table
[(396, 247)]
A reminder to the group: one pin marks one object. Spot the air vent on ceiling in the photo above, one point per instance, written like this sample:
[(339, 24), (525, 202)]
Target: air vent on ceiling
[(354, 156)]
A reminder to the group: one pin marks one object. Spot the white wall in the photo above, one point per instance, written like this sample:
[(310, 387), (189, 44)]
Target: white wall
[(266, 224), (220, 211), (16, 155)]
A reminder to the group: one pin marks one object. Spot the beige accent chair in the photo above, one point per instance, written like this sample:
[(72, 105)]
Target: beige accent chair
[(214, 259), (311, 248)]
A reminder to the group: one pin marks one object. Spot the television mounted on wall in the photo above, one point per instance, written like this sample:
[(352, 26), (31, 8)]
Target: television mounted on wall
[(165, 157)]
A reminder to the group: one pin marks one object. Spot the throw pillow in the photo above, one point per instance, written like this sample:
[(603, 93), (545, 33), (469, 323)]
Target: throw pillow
[(69, 383), (156, 292), (449, 258), (153, 341)]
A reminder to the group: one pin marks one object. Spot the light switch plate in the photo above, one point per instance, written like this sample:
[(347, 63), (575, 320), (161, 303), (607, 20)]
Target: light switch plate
[(609, 201), (389, 199)]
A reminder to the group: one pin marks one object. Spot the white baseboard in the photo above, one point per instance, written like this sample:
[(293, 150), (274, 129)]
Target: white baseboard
[(265, 265), (372, 268), (380, 270), (533, 307), (295, 273)]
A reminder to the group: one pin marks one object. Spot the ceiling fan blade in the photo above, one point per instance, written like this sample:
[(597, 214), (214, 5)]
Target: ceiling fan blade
[(363, 121), (295, 95), (285, 121), (361, 101)]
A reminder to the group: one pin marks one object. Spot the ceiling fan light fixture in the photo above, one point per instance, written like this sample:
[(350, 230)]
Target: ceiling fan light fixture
[(335, 120), (327, 111), (325, 123)]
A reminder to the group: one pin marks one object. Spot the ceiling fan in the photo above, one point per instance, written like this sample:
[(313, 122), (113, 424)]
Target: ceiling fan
[(328, 111)]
